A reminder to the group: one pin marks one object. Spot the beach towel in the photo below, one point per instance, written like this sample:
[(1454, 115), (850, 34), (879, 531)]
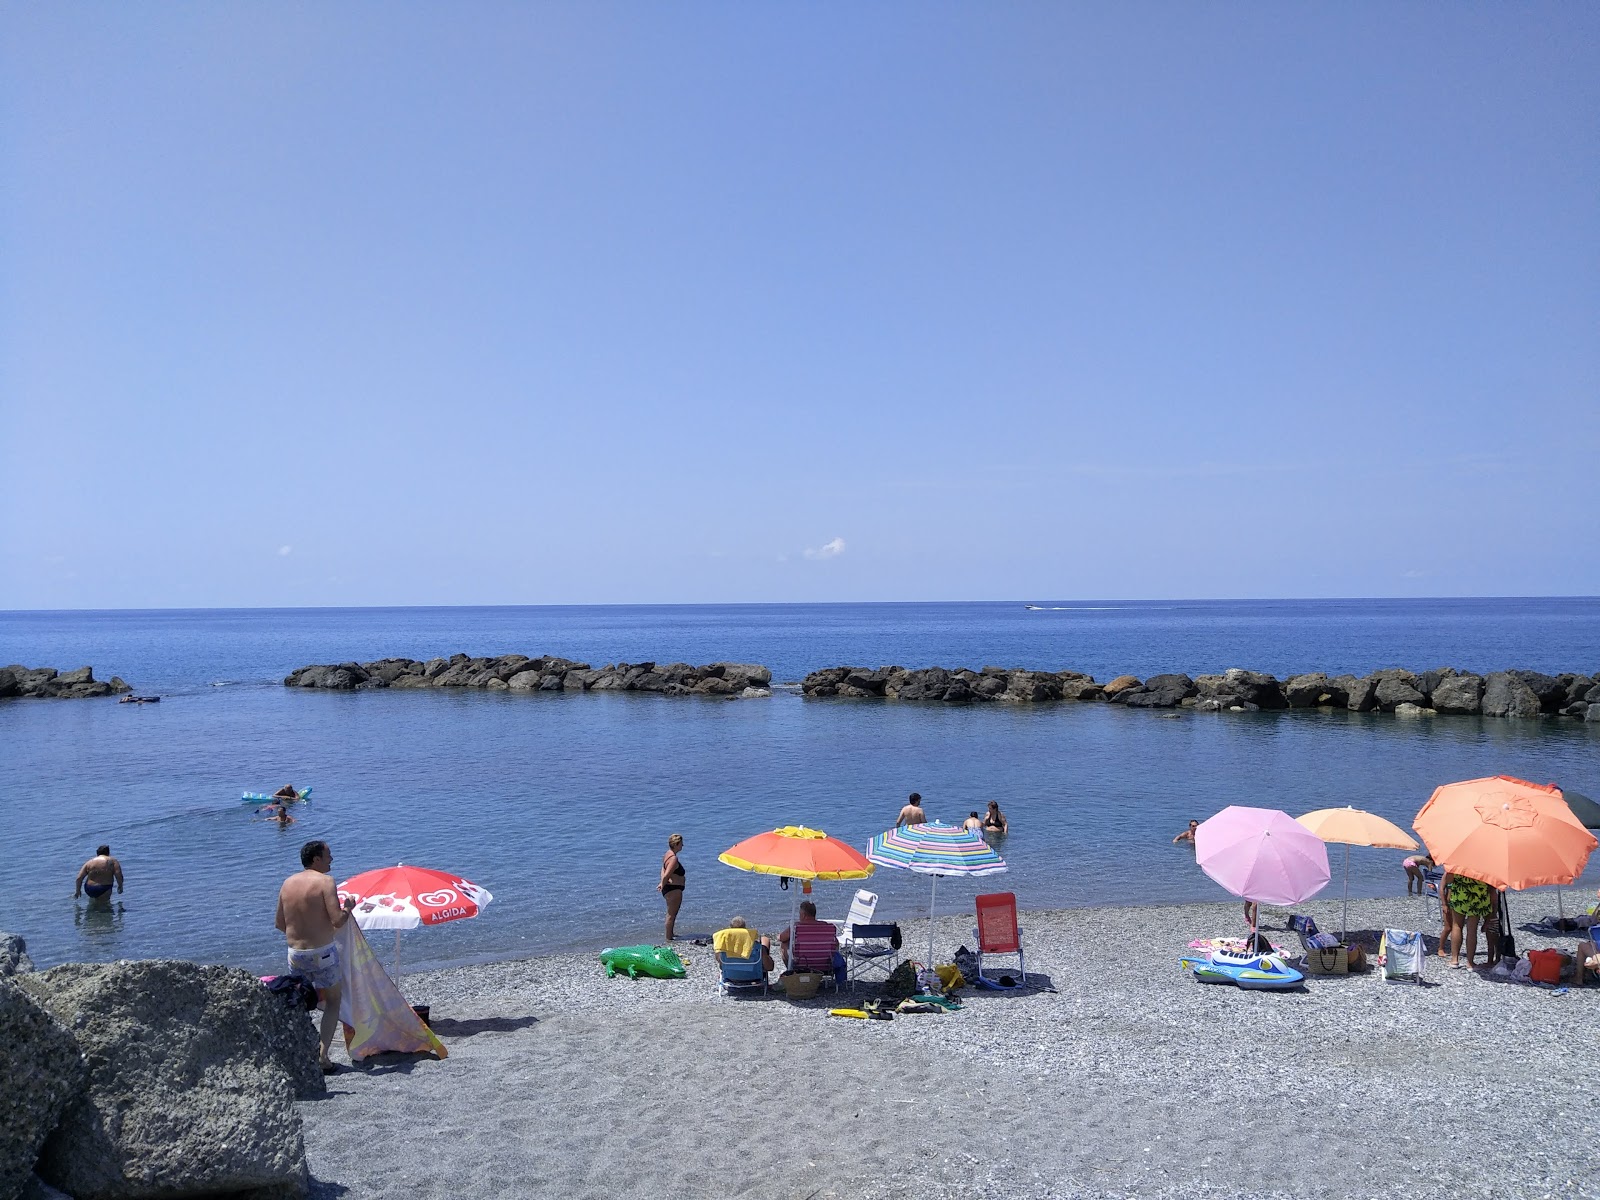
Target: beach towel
[(375, 1015), (1403, 954), (735, 943)]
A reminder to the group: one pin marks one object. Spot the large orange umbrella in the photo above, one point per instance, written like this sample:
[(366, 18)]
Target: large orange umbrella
[(796, 852), (1505, 832), (1355, 827)]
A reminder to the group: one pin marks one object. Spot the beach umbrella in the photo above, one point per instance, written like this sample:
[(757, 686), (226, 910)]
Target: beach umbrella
[(1262, 855), (1355, 827), (403, 897), (937, 850), (795, 852), (1505, 832)]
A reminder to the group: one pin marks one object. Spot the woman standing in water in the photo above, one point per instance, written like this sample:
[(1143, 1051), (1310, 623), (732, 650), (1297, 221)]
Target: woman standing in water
[(994, 821), (672, 880)]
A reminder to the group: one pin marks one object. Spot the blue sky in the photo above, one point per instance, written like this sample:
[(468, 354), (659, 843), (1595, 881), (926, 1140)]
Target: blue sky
[(527, 303)]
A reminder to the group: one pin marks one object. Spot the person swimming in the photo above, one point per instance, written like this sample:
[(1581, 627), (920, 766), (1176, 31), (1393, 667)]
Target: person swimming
[(1188, 834)]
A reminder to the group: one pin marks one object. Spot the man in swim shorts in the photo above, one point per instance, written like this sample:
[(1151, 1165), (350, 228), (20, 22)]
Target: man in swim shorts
[(310, 916), (97, 875)]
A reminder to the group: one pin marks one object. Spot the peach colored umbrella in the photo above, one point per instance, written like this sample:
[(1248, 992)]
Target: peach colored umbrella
[(1355, 827), (1505, 832)]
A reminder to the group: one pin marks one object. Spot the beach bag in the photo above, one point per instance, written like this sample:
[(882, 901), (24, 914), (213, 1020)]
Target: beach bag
[(1403, 954), (295, 990), (1333, 960), (1305, 925), (902, 981), (800, 985), (1544, 966)]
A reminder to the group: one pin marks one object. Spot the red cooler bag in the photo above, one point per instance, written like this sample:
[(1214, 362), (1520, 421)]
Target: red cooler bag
[(1544, 966)]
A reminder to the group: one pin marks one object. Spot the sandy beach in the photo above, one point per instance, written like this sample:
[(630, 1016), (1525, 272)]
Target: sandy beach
[(1130, 1078)]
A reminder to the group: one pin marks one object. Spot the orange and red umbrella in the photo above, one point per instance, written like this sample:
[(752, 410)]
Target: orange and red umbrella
[(796, 852), (1505, 832)]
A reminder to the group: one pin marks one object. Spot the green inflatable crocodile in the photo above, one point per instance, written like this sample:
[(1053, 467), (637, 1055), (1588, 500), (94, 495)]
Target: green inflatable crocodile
[(660, 961)]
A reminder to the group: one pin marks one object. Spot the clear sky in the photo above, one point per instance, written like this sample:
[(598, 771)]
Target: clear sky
[(565, 303)]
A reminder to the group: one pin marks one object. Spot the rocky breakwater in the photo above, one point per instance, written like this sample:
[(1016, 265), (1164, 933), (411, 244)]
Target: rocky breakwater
[(151, 1079), (547, 673), (1445, 691), (48, 683)]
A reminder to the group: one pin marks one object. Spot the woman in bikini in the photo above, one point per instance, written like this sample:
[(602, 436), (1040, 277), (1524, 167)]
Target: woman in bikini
[(994, 821), (672, 880)]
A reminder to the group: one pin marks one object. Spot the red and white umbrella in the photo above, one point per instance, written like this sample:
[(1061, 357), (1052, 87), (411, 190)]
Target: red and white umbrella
[(404, 897)]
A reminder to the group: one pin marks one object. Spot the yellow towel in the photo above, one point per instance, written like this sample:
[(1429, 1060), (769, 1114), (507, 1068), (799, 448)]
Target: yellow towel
[(735, 943)]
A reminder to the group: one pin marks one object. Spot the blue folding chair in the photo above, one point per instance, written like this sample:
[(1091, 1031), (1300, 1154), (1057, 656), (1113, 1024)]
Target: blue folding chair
[(1432, 877), (741, 973)]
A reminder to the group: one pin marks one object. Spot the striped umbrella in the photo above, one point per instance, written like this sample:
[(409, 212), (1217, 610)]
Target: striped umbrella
[(934, 849)]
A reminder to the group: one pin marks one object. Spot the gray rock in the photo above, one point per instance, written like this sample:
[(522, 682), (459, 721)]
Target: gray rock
[(755, 693), (1256, 687), (957, 693), (524, 681), (81, 675), (1314, 690), (8, 683), (1080, 687), (1577, 687), (193, 1073), (14, 958), (497, 685), (1507, 695), (1552, 694), (715, 686), (1393, 690), (1593, 714), (551, 682), (118, 684), (1459, 694), (37, 1189), (1406, 709), (1120, 684), (1160, 691), (740, 674), (1363, 693), (41, 1073)]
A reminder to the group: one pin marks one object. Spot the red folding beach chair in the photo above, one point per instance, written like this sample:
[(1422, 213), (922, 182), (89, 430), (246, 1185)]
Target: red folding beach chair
[(998, 932)]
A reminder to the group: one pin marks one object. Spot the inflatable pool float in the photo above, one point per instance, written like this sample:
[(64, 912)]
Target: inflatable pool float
[(659, 962), (1258, 972), (263, 798)]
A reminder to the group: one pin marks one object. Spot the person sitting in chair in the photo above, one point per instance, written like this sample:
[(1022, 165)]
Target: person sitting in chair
[(808, 916), (737, 941)]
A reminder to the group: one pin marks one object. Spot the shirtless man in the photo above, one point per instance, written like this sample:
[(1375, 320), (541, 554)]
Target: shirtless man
[(309, 914), (912, 813), (1188, 834), (972, 824), (286, 792), (97, 875)]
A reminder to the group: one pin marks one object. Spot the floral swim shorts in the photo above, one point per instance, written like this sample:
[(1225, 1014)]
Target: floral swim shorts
[(320, 967), (1469, 897)]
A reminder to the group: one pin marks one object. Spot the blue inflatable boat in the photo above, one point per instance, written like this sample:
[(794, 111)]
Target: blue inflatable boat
[(1265, 972)]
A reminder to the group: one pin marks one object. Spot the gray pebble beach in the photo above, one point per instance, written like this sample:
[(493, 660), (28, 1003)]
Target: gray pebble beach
[(1129, 1079)]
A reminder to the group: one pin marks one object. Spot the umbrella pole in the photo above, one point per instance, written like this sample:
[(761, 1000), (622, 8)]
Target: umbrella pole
[(932, 892), (1344, 927), (397, 961)]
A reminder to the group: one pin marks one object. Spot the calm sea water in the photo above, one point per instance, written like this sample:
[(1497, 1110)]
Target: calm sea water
[(560, 804)]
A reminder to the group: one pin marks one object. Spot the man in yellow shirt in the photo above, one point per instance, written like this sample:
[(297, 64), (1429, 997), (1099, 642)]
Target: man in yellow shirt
[(737, 941)]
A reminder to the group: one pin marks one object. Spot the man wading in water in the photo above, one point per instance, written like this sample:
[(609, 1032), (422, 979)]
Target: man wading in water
[(309, 914), (97, 875)]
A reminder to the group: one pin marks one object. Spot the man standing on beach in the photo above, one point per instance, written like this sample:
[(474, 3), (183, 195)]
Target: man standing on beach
[(912, 813), (98, 874), (310, 915)]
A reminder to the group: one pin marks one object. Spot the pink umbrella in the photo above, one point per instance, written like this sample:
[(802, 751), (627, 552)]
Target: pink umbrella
[(1262, 854)]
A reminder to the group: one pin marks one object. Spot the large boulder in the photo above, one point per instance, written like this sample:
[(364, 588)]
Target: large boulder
[(1459, 694), (8, 683), (67, 678), (1361, 694), (1239, 689), (741, 675), (1159, 691), (1505, 694), (1552, 693), (41, 1073), (193, 1074), (1120, 684), (1314, 690), (1394, 688)]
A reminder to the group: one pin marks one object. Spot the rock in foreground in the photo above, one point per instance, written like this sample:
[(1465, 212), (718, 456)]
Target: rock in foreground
[(193, 1073), (41, 1072)]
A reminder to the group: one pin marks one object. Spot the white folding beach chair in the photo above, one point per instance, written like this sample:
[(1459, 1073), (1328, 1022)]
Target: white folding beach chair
[(862, 908), (1404, 955)]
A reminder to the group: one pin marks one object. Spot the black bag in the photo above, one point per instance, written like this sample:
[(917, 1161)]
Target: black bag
[(1508, 944), (295, 990)]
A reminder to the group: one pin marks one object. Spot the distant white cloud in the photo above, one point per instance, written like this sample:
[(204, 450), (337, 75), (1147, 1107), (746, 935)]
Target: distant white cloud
[(828, 549), (285, 551)]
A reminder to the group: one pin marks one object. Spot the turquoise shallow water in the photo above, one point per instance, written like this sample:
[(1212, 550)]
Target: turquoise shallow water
[(560, 804)]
